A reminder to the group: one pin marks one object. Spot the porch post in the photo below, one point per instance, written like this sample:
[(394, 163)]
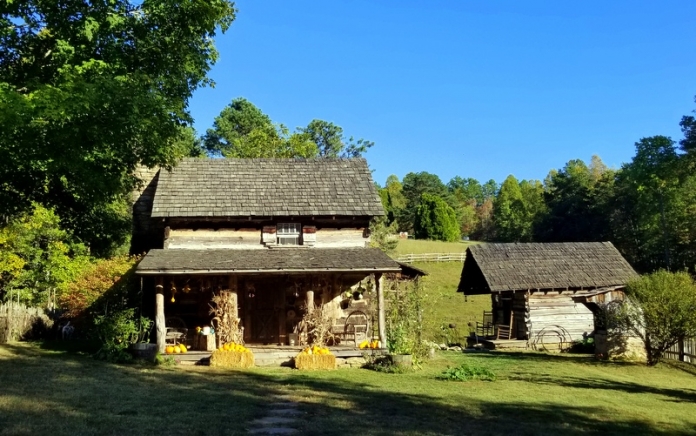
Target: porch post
[(381, 322), (159, 315), (310, 301), (235, 297)]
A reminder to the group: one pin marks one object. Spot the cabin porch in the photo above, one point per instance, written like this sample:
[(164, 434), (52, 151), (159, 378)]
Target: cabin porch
[(269, 308)]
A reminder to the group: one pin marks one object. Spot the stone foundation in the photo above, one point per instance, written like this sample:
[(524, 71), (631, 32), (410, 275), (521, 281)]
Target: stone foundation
[(619, 346)]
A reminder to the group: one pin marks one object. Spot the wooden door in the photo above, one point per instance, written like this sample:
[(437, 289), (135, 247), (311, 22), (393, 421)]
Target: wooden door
[(264, 317)]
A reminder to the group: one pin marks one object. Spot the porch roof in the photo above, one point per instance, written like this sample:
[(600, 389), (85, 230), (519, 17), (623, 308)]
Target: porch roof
[(230, 261)]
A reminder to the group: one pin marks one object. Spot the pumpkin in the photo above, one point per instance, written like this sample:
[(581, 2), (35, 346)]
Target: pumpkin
[(169, 349), (176, 350), (182, 348)]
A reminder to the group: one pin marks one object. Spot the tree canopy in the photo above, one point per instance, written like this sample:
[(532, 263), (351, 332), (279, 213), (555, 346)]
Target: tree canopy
[(90, 90), (242, 130)]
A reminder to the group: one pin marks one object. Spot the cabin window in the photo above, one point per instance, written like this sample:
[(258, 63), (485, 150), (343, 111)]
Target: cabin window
[(289, 233)]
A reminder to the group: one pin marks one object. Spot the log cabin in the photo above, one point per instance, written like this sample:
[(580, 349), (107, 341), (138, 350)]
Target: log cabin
[(545, 293), (282, 236)]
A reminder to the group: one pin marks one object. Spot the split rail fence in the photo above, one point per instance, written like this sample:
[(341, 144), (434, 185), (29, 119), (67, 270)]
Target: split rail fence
[(684, 351), (432, 257)]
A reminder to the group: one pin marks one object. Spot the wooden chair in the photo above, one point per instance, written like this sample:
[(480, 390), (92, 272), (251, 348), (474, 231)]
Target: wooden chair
[(176, 331), (505, 331), (356, 327), (485, 328)]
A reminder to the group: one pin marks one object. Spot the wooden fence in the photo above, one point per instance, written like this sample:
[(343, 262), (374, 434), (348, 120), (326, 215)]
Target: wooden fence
[(684, 351), (432, 257), (17, 321)]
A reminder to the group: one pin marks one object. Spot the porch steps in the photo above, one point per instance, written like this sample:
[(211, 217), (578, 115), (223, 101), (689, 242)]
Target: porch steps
[(504, 344)]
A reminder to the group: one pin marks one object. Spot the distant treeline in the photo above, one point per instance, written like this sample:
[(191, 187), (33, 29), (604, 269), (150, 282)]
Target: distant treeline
[(647, 208)]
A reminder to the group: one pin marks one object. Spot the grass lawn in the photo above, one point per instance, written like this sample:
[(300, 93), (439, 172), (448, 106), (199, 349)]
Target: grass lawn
[(49, 392), (417, 246), (446, 306)]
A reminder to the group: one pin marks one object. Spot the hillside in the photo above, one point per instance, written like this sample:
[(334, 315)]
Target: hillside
[(444, 305)]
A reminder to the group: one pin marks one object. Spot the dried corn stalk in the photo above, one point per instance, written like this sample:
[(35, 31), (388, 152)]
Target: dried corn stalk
[(225, 320), (318, 324)]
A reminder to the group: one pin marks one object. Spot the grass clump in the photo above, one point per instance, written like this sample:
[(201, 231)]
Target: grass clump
[(466, 372)]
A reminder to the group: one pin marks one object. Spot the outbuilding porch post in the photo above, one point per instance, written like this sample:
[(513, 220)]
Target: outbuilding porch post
[(381, 322), (159, 315)]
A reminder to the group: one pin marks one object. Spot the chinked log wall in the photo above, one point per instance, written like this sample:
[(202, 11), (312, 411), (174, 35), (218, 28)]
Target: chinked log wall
[(555, 313), (251, 238)]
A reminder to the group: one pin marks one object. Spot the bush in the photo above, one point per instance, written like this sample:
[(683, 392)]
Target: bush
[(106, 282), (466, 372), (404, 317), (383, 364), (660, 309), (117, 331)]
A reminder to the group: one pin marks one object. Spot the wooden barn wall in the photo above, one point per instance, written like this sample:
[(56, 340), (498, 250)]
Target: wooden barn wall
[(558, 312), (206, 238), (341, 238), (519, 308), (249, 238)]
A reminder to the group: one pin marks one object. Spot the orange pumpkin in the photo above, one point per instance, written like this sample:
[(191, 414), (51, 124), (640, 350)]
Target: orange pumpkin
[(169, 349)]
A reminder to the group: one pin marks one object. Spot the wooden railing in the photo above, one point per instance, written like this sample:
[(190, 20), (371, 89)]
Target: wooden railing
[(432, 257), (684, 351)]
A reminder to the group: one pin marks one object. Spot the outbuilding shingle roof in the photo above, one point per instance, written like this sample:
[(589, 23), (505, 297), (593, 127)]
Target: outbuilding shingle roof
[(522, 266), (267, 187), (179, 261)]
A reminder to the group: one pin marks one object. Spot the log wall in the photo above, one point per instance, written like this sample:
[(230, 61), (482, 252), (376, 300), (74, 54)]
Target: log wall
[(250, 238), (555, 313)]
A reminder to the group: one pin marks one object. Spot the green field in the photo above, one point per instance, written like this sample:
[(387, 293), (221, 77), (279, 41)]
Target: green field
[(445, 306), (413, 246), (48, 392)]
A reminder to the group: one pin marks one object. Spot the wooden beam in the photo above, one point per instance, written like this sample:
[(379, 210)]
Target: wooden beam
[(159, 315), (381, 320)]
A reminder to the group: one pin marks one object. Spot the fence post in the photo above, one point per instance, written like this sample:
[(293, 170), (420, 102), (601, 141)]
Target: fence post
[(681, 349)]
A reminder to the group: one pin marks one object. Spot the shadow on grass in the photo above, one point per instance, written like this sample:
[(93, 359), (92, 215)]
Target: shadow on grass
[(83, 396)]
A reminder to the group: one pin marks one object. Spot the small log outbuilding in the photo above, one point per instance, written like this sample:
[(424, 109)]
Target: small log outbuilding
[(544, 292), (279, 236)]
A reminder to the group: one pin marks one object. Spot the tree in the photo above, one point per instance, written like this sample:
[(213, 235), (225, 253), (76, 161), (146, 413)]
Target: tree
[(383, 235), (435, 219), (330, 141), (578, 198), (654, 203), (512, 223), (393, 198), (90, 90), (414, 186), (660, 309), (466, 190), (242, 130), (37, 257), (688, 127)]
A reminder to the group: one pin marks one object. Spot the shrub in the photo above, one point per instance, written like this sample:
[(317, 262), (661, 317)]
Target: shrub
[(404, 317), (383, 364), (117, 331), (106, 282), (466, 372), (660, 309)]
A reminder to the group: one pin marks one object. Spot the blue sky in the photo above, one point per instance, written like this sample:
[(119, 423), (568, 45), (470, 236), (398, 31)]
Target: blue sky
[(477, 89)]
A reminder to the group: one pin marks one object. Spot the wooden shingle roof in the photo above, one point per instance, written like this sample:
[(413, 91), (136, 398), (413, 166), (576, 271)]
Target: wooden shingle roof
[(267, 187), (218, 261), (523, 266)]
